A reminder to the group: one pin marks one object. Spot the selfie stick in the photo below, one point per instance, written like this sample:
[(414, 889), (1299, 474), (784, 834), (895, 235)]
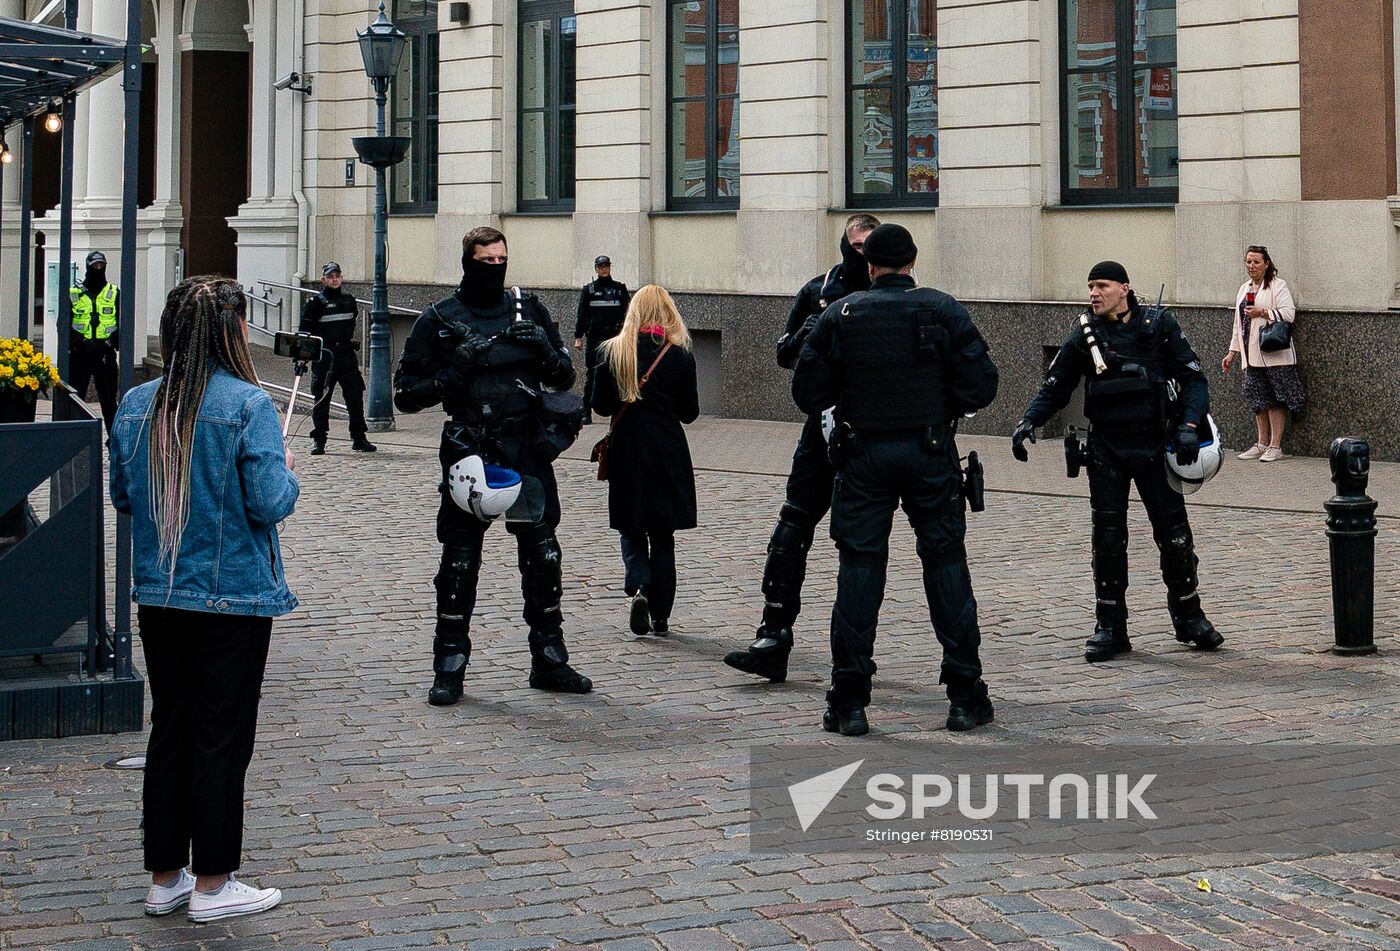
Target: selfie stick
[(300, 370)]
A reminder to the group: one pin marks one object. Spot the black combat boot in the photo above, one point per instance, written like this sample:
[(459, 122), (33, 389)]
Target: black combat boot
[(1199, 633), (561, 678), (968, 705), (361, 444), (1107, 642), (448, 673), (319, 447), (849, 722), (766, 657)]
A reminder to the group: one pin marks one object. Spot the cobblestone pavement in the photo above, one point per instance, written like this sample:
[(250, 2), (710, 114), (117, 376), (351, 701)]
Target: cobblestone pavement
[(618, 820)]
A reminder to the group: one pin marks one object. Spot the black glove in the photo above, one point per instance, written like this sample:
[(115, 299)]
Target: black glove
[(1024, 431), (529, 334), (1188, 446), (808, 325), (464, 358)]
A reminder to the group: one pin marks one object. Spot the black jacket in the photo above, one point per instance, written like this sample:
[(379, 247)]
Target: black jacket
[(651, 482), (969, 376), (815, 296), (1164, 352), (330, 315), (426, 375), (605, 320)]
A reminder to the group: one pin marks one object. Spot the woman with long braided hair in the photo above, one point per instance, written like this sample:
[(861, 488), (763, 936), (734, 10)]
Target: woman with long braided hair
[(198, 462)]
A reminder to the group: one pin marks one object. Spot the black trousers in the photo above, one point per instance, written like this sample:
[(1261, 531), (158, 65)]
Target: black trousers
[(96, 363), (649, 559), (808, 497), (205, 672), (1110, 475), (886, 472), (337, 367)]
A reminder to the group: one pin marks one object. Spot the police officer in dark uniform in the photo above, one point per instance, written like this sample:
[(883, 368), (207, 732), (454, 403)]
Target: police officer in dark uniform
[(1131, 356), (601, 308), (809, 483), (901, 364), (487, 354), (94, 340), (331, 315)]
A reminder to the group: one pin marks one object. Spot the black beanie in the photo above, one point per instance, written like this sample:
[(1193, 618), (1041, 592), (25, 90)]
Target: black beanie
[(1109, 271), (890, 246)]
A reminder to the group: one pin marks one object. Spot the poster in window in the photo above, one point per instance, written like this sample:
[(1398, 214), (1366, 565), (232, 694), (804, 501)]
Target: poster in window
[(1160, 93)]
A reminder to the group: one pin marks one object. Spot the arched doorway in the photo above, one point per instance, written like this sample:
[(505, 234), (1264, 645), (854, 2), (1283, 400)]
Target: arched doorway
[(214, 115)]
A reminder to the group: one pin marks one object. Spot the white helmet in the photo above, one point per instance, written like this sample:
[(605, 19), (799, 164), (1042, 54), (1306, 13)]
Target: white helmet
[(1188, 479), (482, 489)]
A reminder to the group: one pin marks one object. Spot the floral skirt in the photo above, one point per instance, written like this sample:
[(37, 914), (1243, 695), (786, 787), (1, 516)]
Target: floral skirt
[(1267, 387)]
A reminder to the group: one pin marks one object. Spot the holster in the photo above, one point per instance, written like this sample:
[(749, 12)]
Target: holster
[(1077, 454), (843, 446), (974, 483)]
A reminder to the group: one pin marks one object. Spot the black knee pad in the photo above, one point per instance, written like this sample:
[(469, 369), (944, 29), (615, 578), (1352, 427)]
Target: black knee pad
[(934, 558), (541, 570), (456, 582)]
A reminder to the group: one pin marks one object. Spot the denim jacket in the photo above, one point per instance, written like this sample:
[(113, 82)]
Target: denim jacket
[(240, 488)]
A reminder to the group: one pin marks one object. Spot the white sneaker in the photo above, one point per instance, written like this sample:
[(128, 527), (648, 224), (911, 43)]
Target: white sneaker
[(1272, 454), (1252, 453), (233, 899), (163, 899)]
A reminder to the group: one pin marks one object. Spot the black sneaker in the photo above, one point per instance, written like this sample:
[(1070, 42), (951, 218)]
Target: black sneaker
[(1107, 643), (1199, 633), (561, 678), (964, 713), (640, 620), (766, 657), (446, 689), (660, 628), (361, 444), (845, 722), (319, 449)]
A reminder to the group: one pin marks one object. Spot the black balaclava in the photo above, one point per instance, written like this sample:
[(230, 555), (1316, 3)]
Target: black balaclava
[(96, 277), (482, 283), (854, 269)]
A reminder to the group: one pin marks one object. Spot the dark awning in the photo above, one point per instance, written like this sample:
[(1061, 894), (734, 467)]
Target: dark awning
[(40, 63)]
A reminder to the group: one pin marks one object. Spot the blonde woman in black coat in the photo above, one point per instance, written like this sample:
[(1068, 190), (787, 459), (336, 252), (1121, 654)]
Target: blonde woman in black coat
[(651, 483)]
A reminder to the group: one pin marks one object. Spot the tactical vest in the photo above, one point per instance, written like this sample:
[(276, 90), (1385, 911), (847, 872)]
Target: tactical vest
[(605, 308), (1131, 395), (106, 324), (501, 395), (893, 351), (336, 325)]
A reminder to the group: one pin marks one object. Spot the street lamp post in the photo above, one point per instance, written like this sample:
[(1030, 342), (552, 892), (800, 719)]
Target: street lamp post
[(381, 46)]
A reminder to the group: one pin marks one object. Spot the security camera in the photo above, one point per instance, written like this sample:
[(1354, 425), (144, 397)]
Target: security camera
[(294, 81)]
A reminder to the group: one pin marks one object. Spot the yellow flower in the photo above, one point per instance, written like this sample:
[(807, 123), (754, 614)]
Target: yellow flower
[(53, 375), (6, 372)]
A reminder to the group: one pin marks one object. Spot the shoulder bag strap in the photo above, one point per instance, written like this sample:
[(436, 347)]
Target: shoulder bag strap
[(640, 385)]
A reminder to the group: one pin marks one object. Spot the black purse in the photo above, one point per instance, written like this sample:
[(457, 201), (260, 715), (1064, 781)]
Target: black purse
[(1276, 336)]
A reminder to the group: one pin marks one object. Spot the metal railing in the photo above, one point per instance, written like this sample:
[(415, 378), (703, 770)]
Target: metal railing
[(287, 390), (362, 307)]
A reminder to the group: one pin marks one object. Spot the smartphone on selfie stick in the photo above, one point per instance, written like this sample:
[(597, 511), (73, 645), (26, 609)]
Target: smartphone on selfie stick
[(304, 349)]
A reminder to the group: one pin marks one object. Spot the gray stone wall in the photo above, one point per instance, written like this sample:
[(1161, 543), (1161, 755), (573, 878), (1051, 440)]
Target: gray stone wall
[(1350, 362)]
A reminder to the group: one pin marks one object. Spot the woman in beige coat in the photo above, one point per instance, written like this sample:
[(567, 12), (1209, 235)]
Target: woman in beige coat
[(1272, 386)]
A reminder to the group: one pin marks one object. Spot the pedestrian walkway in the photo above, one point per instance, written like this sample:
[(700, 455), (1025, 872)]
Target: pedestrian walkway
[(618, 820)]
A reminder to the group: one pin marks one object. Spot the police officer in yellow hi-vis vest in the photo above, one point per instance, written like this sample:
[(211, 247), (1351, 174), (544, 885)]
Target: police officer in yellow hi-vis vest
[(92, 347)]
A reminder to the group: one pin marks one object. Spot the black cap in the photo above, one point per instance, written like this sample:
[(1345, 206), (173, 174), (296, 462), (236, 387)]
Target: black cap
[(890, 246), (96, 257), (329, 268), (602, 259), (1109, 271)]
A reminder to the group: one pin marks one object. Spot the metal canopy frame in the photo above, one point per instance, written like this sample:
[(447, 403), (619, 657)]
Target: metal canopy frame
[(41, 65)]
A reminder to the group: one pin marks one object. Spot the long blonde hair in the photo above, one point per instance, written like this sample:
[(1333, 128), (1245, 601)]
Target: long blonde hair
[(651, 307), (201, 330)]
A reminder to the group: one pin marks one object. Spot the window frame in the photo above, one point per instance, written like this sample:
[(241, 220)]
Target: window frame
[(712, 200), (425, 29), (555, 11), (899, 196), (1128, 192)]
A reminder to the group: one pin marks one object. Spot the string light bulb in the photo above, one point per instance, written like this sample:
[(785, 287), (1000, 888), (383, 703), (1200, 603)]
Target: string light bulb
[(53, 120), (6, 156)]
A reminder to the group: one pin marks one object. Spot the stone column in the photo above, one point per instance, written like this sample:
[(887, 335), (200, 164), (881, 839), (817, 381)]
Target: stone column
[(163, 220), (9, 211), (991, 185), (785, 153), (614, 137)]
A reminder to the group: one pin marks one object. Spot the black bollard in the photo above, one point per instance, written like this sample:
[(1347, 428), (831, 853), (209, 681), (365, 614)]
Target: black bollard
[(1351, 535)]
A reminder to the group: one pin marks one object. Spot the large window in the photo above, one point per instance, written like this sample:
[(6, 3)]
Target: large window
[(415, 108), (545, 141), (892, 110), (703, 96), (1118, 101)]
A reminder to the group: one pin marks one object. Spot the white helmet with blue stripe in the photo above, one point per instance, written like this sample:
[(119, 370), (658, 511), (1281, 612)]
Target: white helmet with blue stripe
[(483, 489), (1189, 479)]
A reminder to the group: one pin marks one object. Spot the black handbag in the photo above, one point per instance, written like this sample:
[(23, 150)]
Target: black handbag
[(1275, 336)]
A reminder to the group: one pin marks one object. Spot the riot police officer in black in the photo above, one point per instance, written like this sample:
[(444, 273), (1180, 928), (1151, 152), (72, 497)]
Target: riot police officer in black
[(486, 355), (1129, 354), (901, 364), (809, 483), (331, 315), (601, 309)]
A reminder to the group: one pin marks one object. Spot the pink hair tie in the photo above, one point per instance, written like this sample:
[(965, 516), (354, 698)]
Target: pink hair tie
[(656, 330)]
